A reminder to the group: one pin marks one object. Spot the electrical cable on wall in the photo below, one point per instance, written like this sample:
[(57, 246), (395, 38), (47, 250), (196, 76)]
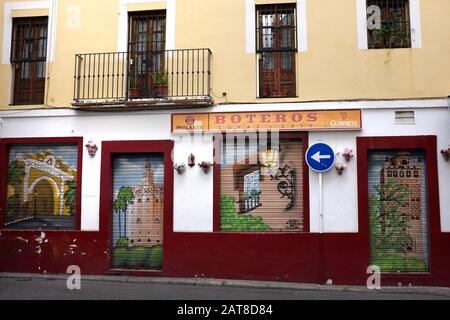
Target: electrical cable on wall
[(220, 97)]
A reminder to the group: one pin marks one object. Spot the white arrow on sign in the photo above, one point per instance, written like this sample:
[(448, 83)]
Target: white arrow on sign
[(317, 157)]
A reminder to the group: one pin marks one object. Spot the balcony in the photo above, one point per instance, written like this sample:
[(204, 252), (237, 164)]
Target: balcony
[(142, 79)]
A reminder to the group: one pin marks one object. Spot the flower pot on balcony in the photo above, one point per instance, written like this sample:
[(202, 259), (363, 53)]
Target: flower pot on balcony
[(134, 93), (162, 90)]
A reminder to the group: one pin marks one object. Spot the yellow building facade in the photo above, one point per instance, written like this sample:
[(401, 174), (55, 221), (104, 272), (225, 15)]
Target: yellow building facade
[(330, 66)]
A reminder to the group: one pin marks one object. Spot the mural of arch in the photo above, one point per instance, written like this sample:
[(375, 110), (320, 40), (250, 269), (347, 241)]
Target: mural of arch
[(38, 171), (37, 191)]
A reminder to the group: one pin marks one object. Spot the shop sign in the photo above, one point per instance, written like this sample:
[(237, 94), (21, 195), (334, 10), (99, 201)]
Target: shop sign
[(274, 120)]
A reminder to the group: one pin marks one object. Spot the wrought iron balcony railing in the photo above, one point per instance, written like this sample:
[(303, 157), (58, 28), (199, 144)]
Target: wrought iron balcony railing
[(249, 202), (175, 75)]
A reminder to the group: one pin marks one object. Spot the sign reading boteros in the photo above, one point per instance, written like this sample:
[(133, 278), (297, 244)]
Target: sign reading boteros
[(273, 120)]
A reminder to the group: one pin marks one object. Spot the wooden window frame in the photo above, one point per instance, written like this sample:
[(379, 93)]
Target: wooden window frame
[(4, 160), (277, 79), (144, 83), (28, 66)]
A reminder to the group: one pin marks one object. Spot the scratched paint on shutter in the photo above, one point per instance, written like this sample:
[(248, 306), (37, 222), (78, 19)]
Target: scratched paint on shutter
[(138, 211), (398, 212)]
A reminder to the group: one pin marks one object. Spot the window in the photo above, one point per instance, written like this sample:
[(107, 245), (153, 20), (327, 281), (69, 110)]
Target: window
[(261, 184), (388, 24), (250, 196), (42, 186), (146, 45), (276, 34), (28, 57)]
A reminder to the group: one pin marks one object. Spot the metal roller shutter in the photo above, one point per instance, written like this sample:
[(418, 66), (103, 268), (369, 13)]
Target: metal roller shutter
[(398, 213), (261, 185), (138, 211), (42, 186)]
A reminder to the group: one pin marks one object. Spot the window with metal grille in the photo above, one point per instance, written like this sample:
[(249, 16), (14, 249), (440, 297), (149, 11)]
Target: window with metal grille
[(276, 45), (389, 24), (146, 47), (250, 198), (28, 57)]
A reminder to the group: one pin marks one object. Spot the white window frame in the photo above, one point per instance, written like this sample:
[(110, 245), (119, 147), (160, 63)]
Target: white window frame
[(250, 27), (414, 18), (122, 37)]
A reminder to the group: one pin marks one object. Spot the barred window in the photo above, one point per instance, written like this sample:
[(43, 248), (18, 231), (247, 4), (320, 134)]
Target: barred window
[(388, 24), (146, 45), (28, 57), (276, 45)]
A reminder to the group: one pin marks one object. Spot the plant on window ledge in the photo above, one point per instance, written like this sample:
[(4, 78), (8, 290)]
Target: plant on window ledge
[(390, 35)]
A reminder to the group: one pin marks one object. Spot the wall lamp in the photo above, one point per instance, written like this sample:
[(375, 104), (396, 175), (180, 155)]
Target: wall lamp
[(191, 160)]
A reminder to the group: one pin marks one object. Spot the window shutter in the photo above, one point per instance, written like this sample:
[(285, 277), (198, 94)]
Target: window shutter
[(42, 186), (261, 194), (138, 199), (398, 211)]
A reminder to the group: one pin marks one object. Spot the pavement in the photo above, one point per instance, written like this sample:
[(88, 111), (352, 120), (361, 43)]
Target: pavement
[(21, 286)]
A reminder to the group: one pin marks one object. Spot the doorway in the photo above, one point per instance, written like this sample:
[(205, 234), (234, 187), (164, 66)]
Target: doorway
[(137, 211)]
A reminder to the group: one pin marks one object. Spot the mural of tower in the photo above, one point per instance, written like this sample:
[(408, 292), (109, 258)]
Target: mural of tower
[(145, 220), (404, 170)]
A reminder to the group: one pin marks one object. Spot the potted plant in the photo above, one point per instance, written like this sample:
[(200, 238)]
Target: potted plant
[(134, 90), (161, 81)]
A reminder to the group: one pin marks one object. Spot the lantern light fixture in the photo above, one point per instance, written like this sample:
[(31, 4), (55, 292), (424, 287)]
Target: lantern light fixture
[(191, 160), (269, 159)]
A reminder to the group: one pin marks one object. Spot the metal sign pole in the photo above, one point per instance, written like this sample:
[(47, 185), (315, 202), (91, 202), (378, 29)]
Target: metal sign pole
[(321, 227)]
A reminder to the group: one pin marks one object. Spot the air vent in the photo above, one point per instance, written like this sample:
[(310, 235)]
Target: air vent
[(405, 117)]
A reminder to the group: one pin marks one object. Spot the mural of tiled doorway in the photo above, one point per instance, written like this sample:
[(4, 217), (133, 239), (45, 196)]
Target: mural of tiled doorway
[(137, 209), (399, 211)]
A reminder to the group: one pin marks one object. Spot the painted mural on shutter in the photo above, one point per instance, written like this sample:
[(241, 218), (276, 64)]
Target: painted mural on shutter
[(138, 212), (42, 186), (398, 213), (261, 186)]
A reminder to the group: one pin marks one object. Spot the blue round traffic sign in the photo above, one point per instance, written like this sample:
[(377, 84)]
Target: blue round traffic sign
[(320, 157)]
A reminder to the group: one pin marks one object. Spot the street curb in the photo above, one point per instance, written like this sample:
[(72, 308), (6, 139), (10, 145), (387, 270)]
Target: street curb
[(437, 291)]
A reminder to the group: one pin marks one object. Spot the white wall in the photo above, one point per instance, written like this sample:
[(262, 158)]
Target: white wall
[(193, 191)]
